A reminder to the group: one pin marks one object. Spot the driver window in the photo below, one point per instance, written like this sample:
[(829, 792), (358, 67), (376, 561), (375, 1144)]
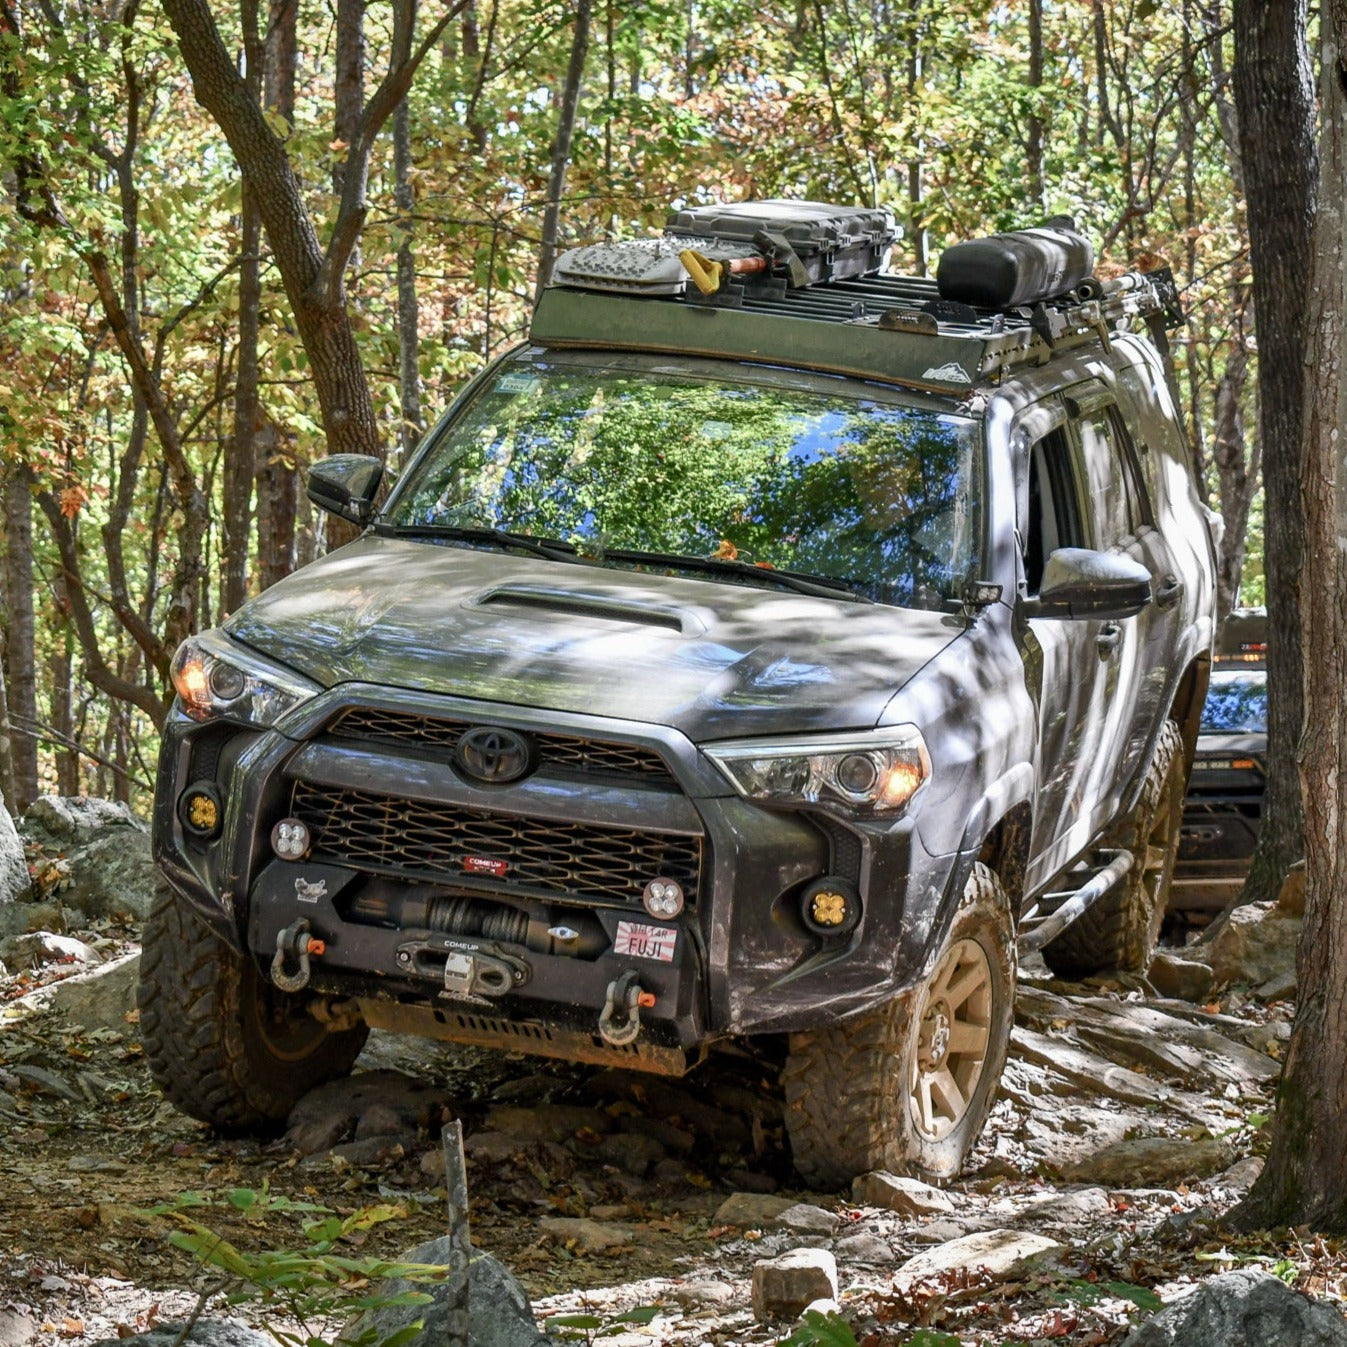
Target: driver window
[(1054, 506)]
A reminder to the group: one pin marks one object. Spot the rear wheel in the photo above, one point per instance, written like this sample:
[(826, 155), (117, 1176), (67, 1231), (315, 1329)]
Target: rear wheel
[(224, 1045), (1119, 930), (909, 1086)]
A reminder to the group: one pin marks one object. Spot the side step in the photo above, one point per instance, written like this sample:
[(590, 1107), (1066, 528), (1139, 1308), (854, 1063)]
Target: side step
[(1036, 931)]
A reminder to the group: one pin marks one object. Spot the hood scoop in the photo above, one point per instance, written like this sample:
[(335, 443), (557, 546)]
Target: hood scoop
[(583, 603)]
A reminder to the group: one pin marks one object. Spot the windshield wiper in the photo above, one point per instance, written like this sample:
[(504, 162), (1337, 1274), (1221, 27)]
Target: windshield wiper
[(554, 549), (821, 586)]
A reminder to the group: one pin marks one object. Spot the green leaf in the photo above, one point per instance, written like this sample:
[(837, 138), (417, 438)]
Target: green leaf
[(640, 1314), (1140, 1296)]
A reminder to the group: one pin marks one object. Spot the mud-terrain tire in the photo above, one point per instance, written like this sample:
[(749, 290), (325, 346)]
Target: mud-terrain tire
[(1119, 930), (908, 1086), (223, 1044)]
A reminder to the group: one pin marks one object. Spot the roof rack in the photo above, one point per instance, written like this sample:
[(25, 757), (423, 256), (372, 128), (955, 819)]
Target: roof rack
[(746, 289)]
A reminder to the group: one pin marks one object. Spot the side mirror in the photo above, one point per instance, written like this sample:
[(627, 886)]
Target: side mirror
[(346, 485), (1078, 583)]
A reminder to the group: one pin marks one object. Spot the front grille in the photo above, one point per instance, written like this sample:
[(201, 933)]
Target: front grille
[(414, 838), (569, 752)]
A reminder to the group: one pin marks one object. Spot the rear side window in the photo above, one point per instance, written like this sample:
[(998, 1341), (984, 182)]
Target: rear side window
[(1122, 506)]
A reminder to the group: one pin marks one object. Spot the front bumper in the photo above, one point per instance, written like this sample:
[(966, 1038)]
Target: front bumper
[(417, 875)]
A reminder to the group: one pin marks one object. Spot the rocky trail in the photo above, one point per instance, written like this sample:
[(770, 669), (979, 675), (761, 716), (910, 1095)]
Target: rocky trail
[(1129, 1122)]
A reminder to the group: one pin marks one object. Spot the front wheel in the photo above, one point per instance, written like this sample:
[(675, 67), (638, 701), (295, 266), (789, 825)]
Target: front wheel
[(222, 1043), (908, 1086)]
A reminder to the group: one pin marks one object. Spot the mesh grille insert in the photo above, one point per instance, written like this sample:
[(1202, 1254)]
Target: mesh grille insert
[(568, 752), (432, 840)]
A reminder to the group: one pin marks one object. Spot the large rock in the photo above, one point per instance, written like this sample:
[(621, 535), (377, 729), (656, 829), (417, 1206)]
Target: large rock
[(499, 1314), (370, 1106), (105, 850), (998, 1252), (895, 1192), (13, 867), (101, 998), (1255, 944), (1244, 1308), (1138, 1162), (586, 1235), (204, 1333), (784, 1287)]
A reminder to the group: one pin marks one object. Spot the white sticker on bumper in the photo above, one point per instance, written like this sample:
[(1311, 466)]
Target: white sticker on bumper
[(646, 942)]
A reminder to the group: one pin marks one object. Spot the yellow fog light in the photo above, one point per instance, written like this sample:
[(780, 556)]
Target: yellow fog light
[(831, 906), (200, 810)]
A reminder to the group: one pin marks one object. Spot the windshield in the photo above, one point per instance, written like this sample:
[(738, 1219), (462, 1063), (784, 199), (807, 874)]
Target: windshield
[(612, 460), (1236, 703)]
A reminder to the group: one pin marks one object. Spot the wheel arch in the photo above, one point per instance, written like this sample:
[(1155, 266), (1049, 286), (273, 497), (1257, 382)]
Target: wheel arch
[(1186, 709)]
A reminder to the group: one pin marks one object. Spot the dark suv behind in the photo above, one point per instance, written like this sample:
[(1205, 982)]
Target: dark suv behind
[(751, 654), (1224, 808)]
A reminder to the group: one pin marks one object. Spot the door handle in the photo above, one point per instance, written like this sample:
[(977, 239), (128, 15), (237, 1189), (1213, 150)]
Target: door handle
[(1168, 591), (1107, 640)]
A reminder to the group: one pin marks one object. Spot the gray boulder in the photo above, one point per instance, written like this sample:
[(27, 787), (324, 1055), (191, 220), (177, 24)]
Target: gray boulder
[(1244, 1308), (205, 1333), (499, 1314), (1252, 945), (13, 867), (105, 851)]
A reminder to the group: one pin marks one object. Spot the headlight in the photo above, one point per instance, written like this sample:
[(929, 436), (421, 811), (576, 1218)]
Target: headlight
[(215, 676), (870, 772)]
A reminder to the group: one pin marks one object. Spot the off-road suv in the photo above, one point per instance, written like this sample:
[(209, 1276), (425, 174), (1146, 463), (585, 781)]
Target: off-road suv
[(759, 652)]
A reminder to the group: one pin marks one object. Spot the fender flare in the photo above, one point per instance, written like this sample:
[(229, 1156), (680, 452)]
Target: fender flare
[(1013, 788)]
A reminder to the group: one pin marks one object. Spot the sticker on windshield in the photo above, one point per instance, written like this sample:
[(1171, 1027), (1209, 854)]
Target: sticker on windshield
[(517, 381), (639, 941)]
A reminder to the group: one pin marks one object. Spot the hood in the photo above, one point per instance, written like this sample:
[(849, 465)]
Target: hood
[(714, 660)]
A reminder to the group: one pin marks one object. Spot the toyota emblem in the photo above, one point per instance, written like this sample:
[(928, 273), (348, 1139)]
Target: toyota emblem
[(494, 756)]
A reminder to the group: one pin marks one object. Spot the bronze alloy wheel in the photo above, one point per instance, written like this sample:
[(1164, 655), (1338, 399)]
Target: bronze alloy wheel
[(954, 1015)]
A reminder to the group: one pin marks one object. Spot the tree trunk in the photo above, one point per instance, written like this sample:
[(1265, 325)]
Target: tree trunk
[(312, 277), (409, 373), (561, 146), (1034, 149), (62, 717), (1236, 472), (1274, 97), (1305, 1178), (241, 450), (21, 650), (6, 731)]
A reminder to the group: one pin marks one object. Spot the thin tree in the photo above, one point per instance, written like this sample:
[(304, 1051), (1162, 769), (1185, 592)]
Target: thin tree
[(561, 146), (1305, 1178), (1274, 98), (312, 272)]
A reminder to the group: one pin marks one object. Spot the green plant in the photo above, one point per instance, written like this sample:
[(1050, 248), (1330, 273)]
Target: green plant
[(306, 1285), (590, 1327), (825, 1330)]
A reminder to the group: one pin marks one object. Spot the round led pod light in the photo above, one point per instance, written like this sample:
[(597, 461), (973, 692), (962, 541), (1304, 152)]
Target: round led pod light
[(663, 898), (831, 906), (290, 839), (200, 810)]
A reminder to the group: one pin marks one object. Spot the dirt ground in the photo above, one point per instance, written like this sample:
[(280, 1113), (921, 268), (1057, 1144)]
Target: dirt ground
[(88, 1147)]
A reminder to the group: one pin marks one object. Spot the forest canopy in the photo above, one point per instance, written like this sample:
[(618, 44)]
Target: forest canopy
[(159, 400)]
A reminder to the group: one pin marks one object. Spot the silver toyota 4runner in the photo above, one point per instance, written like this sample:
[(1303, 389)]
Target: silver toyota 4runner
[(765, 650)]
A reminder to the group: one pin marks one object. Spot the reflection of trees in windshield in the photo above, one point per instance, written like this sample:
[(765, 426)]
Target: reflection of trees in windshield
[(882, 495), (1236, 705)]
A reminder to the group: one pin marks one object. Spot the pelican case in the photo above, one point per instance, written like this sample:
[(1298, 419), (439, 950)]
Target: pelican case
[(1008, 270), (832, 243)]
